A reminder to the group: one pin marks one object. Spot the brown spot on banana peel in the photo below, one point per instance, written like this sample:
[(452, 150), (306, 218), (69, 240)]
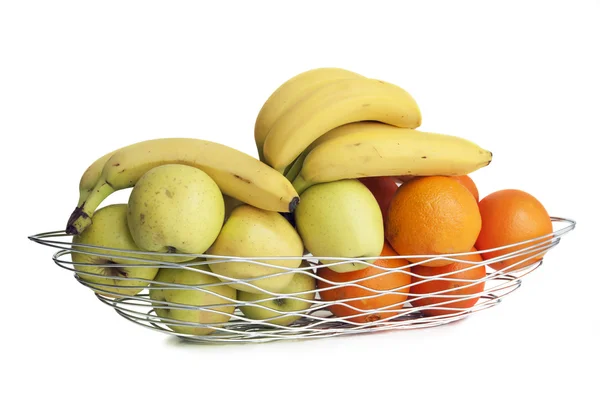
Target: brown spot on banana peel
[(241, 178)]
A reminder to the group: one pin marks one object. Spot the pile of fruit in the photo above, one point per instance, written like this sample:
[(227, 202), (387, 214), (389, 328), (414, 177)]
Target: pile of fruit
[(342, 172)]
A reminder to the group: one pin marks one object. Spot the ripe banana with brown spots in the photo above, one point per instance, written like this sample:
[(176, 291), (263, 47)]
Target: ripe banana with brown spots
[(237, 174)]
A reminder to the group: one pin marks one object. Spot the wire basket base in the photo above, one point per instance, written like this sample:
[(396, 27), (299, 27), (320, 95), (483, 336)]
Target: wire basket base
[(327, 324), (315, 321)]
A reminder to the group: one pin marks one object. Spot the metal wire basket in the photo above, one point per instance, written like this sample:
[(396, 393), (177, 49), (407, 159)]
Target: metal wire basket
[(205, 314)]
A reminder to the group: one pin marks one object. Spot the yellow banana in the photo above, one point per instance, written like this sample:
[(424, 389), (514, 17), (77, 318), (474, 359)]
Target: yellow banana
[(288, 94), (90, 177), (364, 149), (237, 175), (335, 104), (294, 169)]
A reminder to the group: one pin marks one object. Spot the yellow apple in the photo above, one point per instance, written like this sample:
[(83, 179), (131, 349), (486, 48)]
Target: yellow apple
[(277, 305), (251, 232), (111, 274), (215, 303), (175, 209)]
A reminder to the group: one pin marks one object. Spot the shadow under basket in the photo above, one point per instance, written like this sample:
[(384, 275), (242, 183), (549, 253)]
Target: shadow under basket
[(206, 313)]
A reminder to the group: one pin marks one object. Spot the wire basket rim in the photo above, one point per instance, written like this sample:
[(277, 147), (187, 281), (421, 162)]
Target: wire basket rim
[(41, 238)]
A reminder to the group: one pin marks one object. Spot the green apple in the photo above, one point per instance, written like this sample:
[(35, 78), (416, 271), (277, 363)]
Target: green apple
[(340, 219), (300, 283), (251, 232), (175, 209), (109, 229), (214, 300)]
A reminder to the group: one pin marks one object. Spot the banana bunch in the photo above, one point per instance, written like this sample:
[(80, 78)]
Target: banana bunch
[(237, 174), (323, 125), (330, 124)]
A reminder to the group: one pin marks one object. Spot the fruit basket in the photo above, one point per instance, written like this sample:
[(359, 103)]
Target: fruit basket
[(303, 313), (344, 224)]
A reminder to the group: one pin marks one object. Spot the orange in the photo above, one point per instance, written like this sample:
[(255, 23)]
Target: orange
[(433, 284), (464, 179), (432, 215), (508, 217), (397, 281), (383, 188), (468, 183)]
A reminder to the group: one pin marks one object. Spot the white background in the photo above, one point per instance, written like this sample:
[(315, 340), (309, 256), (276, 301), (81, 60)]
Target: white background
[(81, 78)]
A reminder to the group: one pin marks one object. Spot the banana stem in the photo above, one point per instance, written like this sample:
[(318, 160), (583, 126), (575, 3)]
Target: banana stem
[(91, 176), (300, 184), (83, 195), (81, 217), (294, 170)]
